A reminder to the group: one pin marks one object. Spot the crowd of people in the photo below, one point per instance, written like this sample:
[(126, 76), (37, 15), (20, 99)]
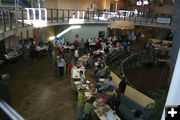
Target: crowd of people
[(85, 108)]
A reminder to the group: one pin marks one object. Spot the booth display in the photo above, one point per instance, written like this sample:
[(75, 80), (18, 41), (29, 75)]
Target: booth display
[(103, 111), (76, 73)]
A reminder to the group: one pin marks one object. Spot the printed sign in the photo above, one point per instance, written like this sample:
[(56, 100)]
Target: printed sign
[(164, 20), (59, 41)]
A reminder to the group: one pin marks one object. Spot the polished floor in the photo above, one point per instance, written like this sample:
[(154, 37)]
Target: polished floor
[(36, 94)]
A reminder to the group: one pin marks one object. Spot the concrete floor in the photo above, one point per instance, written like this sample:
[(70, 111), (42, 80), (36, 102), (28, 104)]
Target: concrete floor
[(37, 94)]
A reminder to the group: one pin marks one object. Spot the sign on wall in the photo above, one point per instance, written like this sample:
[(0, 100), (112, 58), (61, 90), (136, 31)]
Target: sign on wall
[(59, 41), (164, 20)]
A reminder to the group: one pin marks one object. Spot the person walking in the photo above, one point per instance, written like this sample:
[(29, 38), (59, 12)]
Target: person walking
[(50, 48), (76, 55), (91, 57), (68, 59), (61, 63), (25, 52), (81, 47)]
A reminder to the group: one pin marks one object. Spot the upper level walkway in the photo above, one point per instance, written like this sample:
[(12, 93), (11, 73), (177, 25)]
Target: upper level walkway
[(13, 20)]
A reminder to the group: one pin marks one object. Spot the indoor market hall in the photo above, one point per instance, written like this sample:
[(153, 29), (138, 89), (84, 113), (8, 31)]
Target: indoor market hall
[(89, 59)]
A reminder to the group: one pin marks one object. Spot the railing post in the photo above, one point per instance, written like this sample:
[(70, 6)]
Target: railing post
[(68, 15), (93, 15), (119, 15), (51, 15), (57, 15), (88, 14), (10, 21), (152, 20), (63, 15), (98, 15), (3, 20), (22, 16), (130, 16)]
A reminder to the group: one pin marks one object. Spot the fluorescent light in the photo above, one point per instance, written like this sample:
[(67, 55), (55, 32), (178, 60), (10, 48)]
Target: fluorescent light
[(76, 21), (51, 38), (68, 29), (75, 27), (145, 2), (139, 3)]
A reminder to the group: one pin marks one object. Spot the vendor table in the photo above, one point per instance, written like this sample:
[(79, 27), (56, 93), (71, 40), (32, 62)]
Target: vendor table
[(104, 112)]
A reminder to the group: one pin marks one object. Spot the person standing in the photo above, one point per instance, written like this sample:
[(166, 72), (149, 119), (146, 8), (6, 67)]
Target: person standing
[(115, 101), (89, 109), (76, 55), (91, 57), (33, 50), (98, 44), (87, 47), (50, 48), (76, 44), (61, 63), (81, 47), (68, 58), (24, 52), (80, 104)]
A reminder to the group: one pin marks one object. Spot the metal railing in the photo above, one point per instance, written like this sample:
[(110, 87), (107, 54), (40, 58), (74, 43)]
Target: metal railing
[(11, 18), (8, 113)]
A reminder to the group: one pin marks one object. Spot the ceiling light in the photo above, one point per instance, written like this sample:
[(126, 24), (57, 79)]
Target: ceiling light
[(68, 29), (145, 2), (138, 3)]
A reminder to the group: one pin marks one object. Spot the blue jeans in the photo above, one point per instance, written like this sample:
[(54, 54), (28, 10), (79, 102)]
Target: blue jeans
[(91, 61), (25, 57), (100, 87), (80, 51)]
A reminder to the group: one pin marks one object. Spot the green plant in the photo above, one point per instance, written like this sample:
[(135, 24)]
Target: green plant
[(157, 108)]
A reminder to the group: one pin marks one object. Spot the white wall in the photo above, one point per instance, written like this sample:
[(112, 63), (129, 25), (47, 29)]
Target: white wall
[(86, 31)]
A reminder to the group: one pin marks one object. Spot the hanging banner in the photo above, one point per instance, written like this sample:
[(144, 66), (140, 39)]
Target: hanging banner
[(164, 20), (122, 25)]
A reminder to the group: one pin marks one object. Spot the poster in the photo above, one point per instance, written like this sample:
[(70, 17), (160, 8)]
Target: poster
[(59, 41)]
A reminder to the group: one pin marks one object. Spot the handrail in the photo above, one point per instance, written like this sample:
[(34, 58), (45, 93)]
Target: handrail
[(121, 75), (63, 16), (10, 112), (122, 69)]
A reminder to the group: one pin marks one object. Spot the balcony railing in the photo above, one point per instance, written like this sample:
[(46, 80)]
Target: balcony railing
[(11, 18)]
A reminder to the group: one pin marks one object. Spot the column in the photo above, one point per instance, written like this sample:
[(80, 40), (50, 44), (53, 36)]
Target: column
[(176, 32), (27, 34), (0, 4), (42, 34)]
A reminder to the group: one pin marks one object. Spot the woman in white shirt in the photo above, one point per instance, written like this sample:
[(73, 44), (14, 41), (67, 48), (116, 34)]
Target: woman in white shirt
[(76, 55)]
